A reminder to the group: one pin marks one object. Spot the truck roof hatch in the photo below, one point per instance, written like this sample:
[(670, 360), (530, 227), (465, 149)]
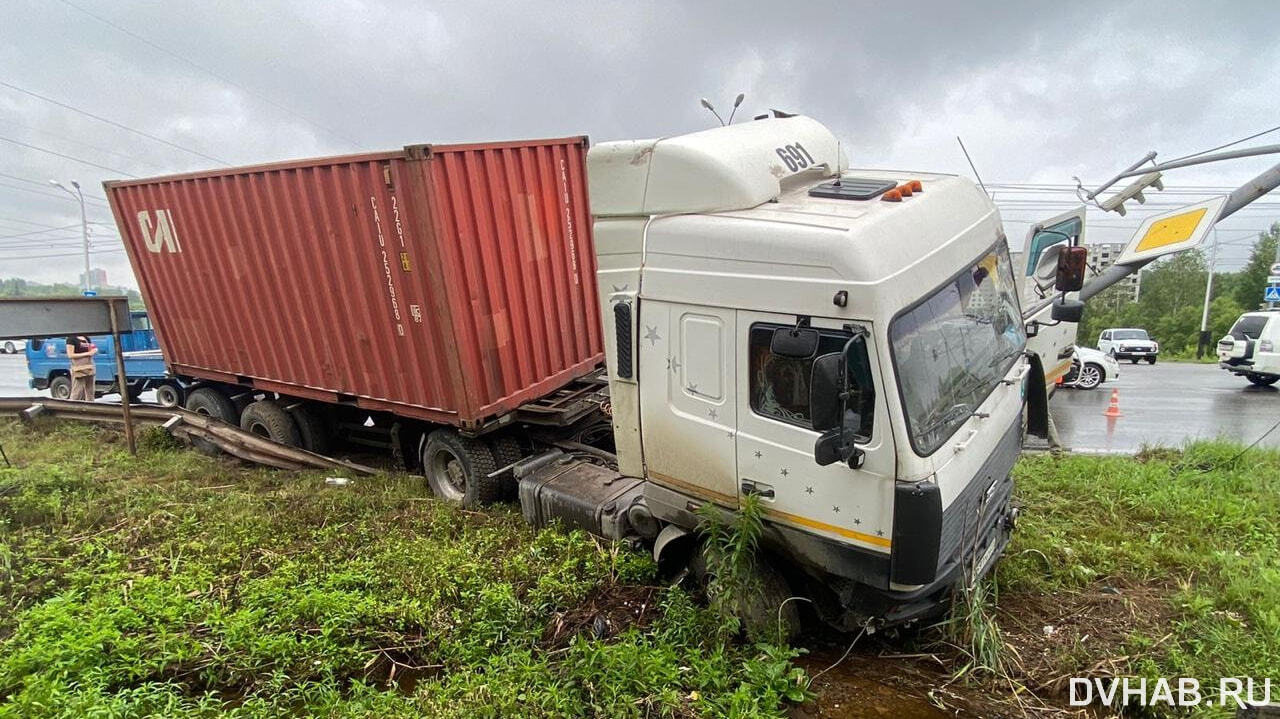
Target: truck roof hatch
[(853, 188)]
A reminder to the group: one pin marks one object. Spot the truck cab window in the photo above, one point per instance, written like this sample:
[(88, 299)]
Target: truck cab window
[(779, 386)]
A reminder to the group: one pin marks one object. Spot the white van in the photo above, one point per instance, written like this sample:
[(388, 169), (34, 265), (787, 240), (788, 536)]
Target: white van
[(1250, 348)]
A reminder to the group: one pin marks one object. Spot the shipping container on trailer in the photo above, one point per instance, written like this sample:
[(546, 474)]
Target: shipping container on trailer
[(448, 283)]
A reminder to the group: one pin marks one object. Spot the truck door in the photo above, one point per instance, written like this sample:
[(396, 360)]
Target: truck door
[(688, 399), (1052, 341), (776, 441)]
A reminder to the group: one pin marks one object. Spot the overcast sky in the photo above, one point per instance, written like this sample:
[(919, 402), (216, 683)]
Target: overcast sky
[(1038, 91)]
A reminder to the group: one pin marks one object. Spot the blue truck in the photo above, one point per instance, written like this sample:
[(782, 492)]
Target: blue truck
[(144, 366)]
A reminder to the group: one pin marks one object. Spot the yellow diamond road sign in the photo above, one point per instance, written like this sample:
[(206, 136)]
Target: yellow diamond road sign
[(1172, 232)]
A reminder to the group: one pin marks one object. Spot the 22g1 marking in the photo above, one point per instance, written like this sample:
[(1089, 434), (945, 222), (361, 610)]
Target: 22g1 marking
[(795, 156)]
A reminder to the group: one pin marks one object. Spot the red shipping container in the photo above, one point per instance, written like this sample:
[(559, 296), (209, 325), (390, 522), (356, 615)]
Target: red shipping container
[(451, 283)]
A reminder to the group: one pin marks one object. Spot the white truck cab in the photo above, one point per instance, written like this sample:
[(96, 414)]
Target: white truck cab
[(1251, 348), (845, 344)]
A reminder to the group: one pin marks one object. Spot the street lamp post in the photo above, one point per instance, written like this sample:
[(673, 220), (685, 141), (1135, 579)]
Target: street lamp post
[(84, 226)]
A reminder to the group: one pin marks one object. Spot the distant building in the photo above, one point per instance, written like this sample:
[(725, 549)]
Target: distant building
[(97, 277), (1103, 254)]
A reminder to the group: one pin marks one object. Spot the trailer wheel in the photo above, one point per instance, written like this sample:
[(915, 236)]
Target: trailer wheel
[(458, 469), (60, 387), (211, 403), (506, 452), (312, 429), (168, 394), (267, 419)]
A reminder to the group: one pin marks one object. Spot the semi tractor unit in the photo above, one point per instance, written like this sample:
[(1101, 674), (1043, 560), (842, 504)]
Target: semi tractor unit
[(735, 315)]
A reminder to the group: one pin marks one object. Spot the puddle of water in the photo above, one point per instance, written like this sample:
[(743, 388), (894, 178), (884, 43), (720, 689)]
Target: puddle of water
[(845, 692)]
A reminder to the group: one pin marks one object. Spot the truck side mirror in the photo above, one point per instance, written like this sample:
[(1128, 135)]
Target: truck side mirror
[(1071, 266), (825, 387), (1065, 310), (794, 342)]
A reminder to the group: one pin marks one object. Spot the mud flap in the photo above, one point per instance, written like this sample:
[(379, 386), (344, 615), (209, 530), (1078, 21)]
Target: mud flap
[(1037, 399)]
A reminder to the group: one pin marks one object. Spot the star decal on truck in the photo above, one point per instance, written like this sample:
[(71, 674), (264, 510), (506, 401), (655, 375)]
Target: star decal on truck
[(651, 334)]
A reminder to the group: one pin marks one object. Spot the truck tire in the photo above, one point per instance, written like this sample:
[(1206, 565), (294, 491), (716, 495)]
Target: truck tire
[(168, 394), (1261, 380), (267, 419), (1151, 360), (313, 431), (10, 348), (212, 403), (765, 613), (458, 468), (506, 452), (60, 387)]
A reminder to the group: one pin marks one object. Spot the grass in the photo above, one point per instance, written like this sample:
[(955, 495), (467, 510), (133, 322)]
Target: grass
[(1173, 558), (178, 585)]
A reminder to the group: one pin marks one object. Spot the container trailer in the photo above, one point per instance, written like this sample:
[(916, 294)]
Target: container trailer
[(736, 314)]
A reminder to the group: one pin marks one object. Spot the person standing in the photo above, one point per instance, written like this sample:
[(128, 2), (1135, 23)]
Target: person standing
[(81, 352)]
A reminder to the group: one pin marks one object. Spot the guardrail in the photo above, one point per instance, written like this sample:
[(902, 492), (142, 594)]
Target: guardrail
[(185, 425)]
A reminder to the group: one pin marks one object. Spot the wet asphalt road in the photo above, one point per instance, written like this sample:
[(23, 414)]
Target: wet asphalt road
[(1166, 404)]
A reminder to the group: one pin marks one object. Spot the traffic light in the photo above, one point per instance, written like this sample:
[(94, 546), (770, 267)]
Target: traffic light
[(1132, 192)]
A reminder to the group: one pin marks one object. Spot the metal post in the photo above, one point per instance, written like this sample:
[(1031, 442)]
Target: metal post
[(1208, 291), (84, 233), (121, 382)]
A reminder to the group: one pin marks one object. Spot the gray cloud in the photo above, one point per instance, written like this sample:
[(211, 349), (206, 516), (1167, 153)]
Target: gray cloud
[(1038, 92)]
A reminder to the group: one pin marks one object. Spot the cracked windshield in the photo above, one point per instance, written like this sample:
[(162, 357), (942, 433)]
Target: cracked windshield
[(953, 347)]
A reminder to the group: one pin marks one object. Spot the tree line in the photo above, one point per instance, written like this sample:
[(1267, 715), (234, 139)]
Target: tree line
[(1171, 299)]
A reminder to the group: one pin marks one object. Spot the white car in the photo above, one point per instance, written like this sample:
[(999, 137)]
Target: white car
[(1250, 348), (11, 347), (1129, 343), (1090, 368)]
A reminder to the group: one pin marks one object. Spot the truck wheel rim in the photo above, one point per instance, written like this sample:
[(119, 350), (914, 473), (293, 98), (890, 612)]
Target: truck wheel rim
[(448, 475), (166, 396)]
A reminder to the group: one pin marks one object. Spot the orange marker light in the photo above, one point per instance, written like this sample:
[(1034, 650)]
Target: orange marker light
[(891, 196), (905, 189), (916, 186)]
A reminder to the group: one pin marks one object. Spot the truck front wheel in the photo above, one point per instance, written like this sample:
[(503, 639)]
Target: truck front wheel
[(458, 468), (60, 387)]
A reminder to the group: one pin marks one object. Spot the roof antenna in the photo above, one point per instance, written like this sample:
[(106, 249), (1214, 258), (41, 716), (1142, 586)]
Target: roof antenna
[(736, 103), (971, 165), (707, 104)]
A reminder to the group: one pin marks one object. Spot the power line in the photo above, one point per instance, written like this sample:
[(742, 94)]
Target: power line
[(68, 157), (39, 232), (1229, 144), (113, 123), (46, 184), (90, 204), (211, 73), (68, 254), (73, 141)]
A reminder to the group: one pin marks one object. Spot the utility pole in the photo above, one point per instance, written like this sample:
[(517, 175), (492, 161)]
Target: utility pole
[(84, 228), (1208, 292)]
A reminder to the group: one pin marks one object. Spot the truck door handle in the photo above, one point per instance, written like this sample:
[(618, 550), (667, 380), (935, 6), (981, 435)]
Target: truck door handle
[(964, 444), (750, 488), (1026, 368)]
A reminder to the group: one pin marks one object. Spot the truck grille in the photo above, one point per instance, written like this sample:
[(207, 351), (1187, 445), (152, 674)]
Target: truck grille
[(970, 515)]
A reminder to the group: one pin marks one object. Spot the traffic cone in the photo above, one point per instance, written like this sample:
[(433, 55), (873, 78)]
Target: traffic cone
[(1113, 409)]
